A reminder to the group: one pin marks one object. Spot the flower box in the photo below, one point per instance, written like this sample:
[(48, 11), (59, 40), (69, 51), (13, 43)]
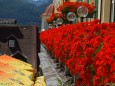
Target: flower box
[(73, 6), (67, 71), (90, 15), (61, 64)]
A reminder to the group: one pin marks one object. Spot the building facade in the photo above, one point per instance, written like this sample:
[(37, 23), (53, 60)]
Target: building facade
[(47, 13), (105, 9), (21, 42)]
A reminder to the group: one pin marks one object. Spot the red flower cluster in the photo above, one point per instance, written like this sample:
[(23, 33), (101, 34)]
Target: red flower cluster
[(91, 7), (67, 7), (53, 17), (87, 48)]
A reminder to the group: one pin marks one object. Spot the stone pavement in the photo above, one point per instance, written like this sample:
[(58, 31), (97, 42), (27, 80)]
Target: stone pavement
[(48, 69)]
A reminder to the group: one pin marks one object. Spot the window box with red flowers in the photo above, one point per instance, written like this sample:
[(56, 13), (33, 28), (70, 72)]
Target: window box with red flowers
[(67, 7), (54, 17)]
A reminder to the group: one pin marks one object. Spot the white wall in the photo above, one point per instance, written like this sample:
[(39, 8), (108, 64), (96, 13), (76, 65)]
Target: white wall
[(44, 23)]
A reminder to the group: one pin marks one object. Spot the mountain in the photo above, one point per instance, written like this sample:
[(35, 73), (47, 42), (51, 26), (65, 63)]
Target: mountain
[(26, 12), (38, 2)]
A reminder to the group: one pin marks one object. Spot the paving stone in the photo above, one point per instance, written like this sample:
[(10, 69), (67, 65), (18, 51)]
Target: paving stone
[(48, 69), (51, 76), (51, 69)]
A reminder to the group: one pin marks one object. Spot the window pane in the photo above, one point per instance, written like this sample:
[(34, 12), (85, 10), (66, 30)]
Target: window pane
[(114, 10), (112, 16), (87, 1), (96, 4), (80, 0), (11, 43)]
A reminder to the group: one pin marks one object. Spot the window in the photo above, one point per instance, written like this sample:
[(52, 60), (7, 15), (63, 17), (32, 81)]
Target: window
[(11, 43), (80, 0), (96, 4), (112, 19), (87, 1), (114, 10)]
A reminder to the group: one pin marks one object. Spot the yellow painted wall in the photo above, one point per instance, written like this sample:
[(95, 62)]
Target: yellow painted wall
[(91, 1), (56, 4), (61, 1), (105, 16), (72, 0)]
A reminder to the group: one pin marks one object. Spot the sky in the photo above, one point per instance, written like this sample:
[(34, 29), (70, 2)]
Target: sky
[(35, 0)]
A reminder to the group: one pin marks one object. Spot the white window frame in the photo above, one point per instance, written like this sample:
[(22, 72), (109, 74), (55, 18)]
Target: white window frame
[(112, 11), (11, 43)]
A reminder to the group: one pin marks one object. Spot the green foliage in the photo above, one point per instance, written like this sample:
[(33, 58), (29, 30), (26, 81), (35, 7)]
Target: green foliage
[(67, 83)]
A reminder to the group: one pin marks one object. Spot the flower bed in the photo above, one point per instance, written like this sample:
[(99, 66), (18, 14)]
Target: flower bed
[(87, 49)]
